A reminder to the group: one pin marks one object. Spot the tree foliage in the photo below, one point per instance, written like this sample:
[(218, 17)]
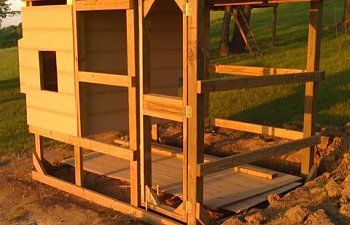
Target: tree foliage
[(5, 10), (10, 35)]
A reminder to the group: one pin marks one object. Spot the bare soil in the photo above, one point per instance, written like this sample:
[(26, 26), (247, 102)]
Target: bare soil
[(325, 200)]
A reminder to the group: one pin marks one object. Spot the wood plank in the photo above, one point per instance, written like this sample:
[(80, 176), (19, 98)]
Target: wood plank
[(52, 120), (103, 200), (311, 88), (54, 102), (256, 155), (251, 71), (165, 107), (230, 84), (89, 5), (257, 129), (105, 79), (256, 171), (79, 166), (107, 149), (240, 206), (167, 172), (251, 2)]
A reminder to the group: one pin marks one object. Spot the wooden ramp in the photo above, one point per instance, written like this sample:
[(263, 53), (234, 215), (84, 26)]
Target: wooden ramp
[(228, 189)]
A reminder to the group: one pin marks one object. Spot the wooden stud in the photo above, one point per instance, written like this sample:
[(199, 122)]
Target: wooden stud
[(106, 79), (257, 129), (217, 3), (154, 132), (195, 63), (78, 163), (135, 191), (89, 144), (256, 155), (251, 71), (103, 200), (90, 5), (230, 84), (38, 146), (311, 88), (145, 121)]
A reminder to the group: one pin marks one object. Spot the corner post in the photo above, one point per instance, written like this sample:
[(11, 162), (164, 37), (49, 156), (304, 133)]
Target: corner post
[(196, 64), (311, 88)]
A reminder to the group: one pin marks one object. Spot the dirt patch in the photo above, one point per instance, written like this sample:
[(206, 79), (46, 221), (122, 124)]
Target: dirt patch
[(23, 201)]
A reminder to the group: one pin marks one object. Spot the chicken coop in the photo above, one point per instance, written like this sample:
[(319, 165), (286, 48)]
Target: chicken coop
[(94, 66)]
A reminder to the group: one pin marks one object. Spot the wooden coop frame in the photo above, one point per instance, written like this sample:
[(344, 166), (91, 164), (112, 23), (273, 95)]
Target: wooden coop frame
[(146, 100)]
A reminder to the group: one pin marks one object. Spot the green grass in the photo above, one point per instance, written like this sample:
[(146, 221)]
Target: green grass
[(276, 106), (284, 104), (14, 137)]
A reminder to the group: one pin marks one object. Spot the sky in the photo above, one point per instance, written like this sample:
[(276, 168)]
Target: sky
[(14, 20)]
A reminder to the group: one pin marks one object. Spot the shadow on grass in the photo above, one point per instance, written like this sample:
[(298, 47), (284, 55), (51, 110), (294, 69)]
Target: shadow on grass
[(289, 109), (9, 84)]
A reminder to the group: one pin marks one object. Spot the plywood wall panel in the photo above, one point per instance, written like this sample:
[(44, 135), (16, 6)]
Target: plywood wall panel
[(52, 121), (49, 28), (166, 47)]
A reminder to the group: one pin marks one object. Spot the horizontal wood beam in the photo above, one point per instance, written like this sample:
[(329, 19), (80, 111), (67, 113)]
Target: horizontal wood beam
[(106, 79), (163, 106), (251, 2), (257, 129), (89, 5), (216, 85), (251, 71), (103, 200), (206, 168), (116, 151)]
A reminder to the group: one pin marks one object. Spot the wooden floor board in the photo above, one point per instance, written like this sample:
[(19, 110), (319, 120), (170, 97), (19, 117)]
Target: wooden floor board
[(220, 189)]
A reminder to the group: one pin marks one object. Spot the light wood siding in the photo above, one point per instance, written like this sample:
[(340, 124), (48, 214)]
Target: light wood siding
[(165, 21), (48, 28), (106, 109), (105, 51), (105, 42)]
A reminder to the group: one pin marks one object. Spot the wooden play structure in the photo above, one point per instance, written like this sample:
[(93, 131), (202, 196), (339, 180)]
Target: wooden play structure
[(94, 66)]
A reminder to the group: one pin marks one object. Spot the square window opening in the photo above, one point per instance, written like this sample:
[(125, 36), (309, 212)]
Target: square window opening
[(48, 70)]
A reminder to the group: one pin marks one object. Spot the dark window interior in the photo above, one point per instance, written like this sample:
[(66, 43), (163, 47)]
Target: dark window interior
[(49, 2), (48, 70)]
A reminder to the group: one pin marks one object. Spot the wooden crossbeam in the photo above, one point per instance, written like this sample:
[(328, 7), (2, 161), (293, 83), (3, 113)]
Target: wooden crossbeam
[(103, 200), (251, 71), (217, 3), (107, 149), (217, 85), (257, 129), (162, 106), (88, 5), (106, 79), (256, 155)]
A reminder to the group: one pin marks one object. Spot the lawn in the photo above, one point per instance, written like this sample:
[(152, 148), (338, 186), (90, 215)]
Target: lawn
[(279, 106)]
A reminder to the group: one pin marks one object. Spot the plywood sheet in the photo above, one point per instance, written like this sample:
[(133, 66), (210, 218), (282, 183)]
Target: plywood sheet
[(238, 207), (219, 189)]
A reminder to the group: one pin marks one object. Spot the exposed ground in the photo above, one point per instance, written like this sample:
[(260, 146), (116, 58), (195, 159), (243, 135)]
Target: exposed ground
[(327, 198)]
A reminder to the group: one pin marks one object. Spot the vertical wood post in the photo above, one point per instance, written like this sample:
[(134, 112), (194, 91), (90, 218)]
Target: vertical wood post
[(131, 30), (38, 146), (311, 88), (78, 162), (145, 121), (196, 102)]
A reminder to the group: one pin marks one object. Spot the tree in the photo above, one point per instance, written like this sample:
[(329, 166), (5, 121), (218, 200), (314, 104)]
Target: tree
[(5, 10), (224, 49), (346, 17), (237, 44)]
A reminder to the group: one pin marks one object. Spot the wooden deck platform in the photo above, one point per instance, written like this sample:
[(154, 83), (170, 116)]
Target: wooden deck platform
[(228, 189)]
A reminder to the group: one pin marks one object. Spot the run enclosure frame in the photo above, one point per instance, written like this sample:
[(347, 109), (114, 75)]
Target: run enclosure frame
[(191, 110)]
